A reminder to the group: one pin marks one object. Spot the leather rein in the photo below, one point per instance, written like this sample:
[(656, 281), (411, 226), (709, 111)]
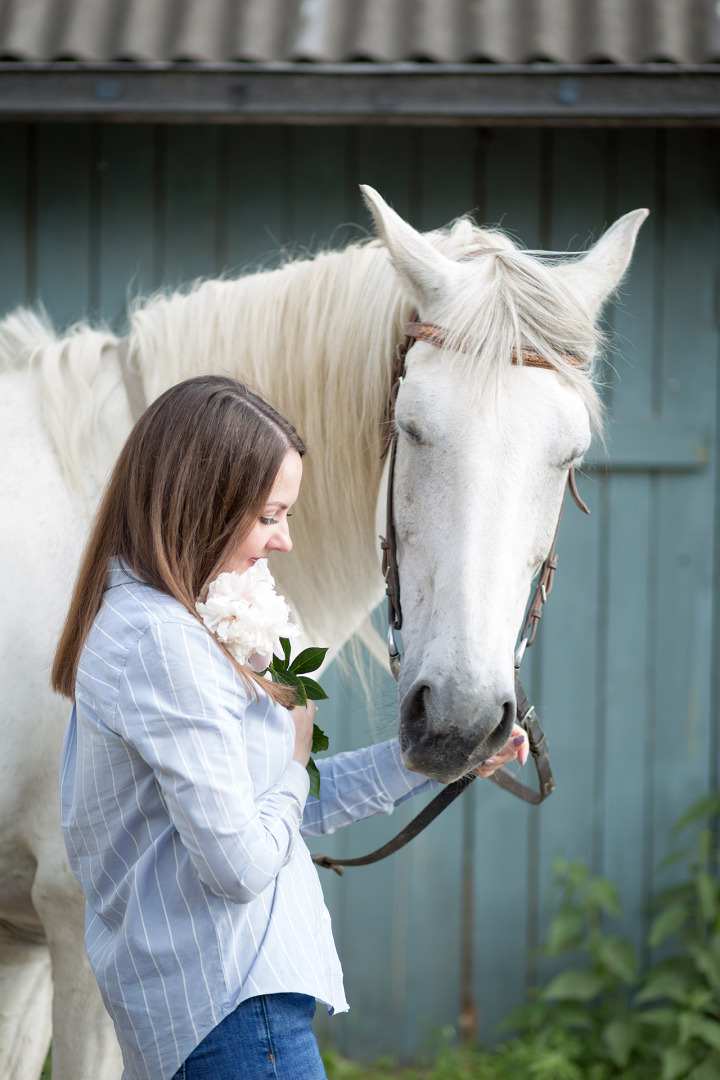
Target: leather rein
[(526, 716)]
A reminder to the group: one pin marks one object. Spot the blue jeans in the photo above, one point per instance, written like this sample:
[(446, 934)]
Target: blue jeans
[(265, 1038)]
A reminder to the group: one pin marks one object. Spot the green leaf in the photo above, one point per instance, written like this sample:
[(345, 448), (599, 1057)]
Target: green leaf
[(604, 893), (668, 922), (708, 1070), (285, 642), (707, 961), (666, 984), (707, 894), (308, 660), (565, 932), (320, 740), (703, 808), (619, 957), (314, 778), (286, 678), (313, 690), (675, 1063), (705, 1029), (620, 1038), (573, 986), (661, 1018)]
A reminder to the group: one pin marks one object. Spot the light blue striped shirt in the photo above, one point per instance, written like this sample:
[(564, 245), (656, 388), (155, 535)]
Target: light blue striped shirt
[(182, 811)]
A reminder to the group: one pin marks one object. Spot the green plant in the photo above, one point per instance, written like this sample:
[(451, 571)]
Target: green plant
[(603, 1018)]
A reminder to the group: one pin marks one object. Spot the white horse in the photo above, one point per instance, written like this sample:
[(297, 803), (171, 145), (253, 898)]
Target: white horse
[(483, 454)]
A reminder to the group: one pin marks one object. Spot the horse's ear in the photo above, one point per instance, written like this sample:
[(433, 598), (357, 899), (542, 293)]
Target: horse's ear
[(599, 272), (427, 273)]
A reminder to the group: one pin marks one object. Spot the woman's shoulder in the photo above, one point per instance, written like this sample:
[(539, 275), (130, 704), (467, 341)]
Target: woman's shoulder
[(132, 615)]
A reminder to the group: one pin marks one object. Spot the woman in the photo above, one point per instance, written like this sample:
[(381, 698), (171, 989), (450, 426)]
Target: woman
[(183, 780)]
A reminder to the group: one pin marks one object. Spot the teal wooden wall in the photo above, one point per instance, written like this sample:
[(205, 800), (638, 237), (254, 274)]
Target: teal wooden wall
[(625, 670)]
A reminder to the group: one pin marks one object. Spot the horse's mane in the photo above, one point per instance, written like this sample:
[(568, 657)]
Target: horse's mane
[(317, 337)]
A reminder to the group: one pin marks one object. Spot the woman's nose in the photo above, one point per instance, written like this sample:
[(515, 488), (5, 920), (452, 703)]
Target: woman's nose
[(280, 540)]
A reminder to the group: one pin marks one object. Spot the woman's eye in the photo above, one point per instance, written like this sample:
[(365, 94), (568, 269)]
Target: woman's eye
[(272, 520)]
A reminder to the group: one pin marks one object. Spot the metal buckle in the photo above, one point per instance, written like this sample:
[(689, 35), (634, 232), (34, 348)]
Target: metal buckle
[(393, 653)]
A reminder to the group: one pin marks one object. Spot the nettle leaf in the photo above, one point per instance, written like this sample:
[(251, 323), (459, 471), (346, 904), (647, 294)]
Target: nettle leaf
[(707, 894), (668, 922), (675, 1063), (619, 957), (708, 962), (708, 1031), (573, 986), (708, 1070), (320, 740), (660, 1018), (704, 808), (666, 984), (604, 893), (313, 690), (566, 931), (314, 774), (308, 660), (620, 1038)]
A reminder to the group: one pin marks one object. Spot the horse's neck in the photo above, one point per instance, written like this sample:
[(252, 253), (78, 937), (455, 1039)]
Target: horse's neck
[(317, 338)]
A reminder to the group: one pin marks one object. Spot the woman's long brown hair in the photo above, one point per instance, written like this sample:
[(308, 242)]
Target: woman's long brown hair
[(190, 482)]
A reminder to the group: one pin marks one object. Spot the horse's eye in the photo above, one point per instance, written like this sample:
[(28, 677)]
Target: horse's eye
[(410, 430)]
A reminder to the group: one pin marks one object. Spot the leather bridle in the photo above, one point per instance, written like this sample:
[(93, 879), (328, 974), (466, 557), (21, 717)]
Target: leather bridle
[(526, 715)]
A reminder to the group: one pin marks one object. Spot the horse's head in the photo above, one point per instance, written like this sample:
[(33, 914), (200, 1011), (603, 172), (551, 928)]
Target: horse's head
[(483, 453)]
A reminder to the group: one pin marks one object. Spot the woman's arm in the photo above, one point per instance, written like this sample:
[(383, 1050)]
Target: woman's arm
[(183, 708), (361, 783)]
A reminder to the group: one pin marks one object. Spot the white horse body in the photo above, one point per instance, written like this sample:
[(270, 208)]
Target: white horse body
[(482, 461)]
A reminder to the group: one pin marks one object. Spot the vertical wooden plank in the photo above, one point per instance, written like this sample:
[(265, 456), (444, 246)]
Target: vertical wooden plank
[(190, 203), (14, 186), (316, 201), (571, 646), (127, 219), (63, 220), (256, 183), (512, 183), (447, 182), (688, 331), (627, 760), (381, 157), (504, 886)]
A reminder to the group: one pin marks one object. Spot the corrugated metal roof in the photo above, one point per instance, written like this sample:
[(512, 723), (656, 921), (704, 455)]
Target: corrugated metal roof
[(381, 31)]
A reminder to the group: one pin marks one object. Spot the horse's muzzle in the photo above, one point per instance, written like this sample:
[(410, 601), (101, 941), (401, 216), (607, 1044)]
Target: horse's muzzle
[(445, 736)]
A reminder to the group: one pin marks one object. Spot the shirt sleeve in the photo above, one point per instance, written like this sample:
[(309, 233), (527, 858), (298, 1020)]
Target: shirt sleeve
[(182, 707), (361, 783)]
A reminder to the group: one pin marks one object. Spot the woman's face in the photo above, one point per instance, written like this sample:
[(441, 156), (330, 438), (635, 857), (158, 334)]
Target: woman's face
[(271, 531)]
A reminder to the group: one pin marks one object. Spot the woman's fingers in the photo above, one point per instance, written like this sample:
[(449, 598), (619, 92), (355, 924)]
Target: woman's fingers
[(517, 746)]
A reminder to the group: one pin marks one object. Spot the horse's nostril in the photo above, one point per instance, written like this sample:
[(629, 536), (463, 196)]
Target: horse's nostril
[(417, 712)]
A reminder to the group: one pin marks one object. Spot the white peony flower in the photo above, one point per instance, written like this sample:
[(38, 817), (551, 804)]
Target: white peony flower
[(247, 615)]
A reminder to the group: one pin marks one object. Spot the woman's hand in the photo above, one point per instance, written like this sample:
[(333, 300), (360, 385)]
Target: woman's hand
[(303, 716), (517, 746)]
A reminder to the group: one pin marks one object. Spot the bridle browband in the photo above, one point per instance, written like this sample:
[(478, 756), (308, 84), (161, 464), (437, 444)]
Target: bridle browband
[(526, 715)]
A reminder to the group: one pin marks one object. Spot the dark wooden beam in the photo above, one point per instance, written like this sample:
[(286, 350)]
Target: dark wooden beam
[(536, 94)]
